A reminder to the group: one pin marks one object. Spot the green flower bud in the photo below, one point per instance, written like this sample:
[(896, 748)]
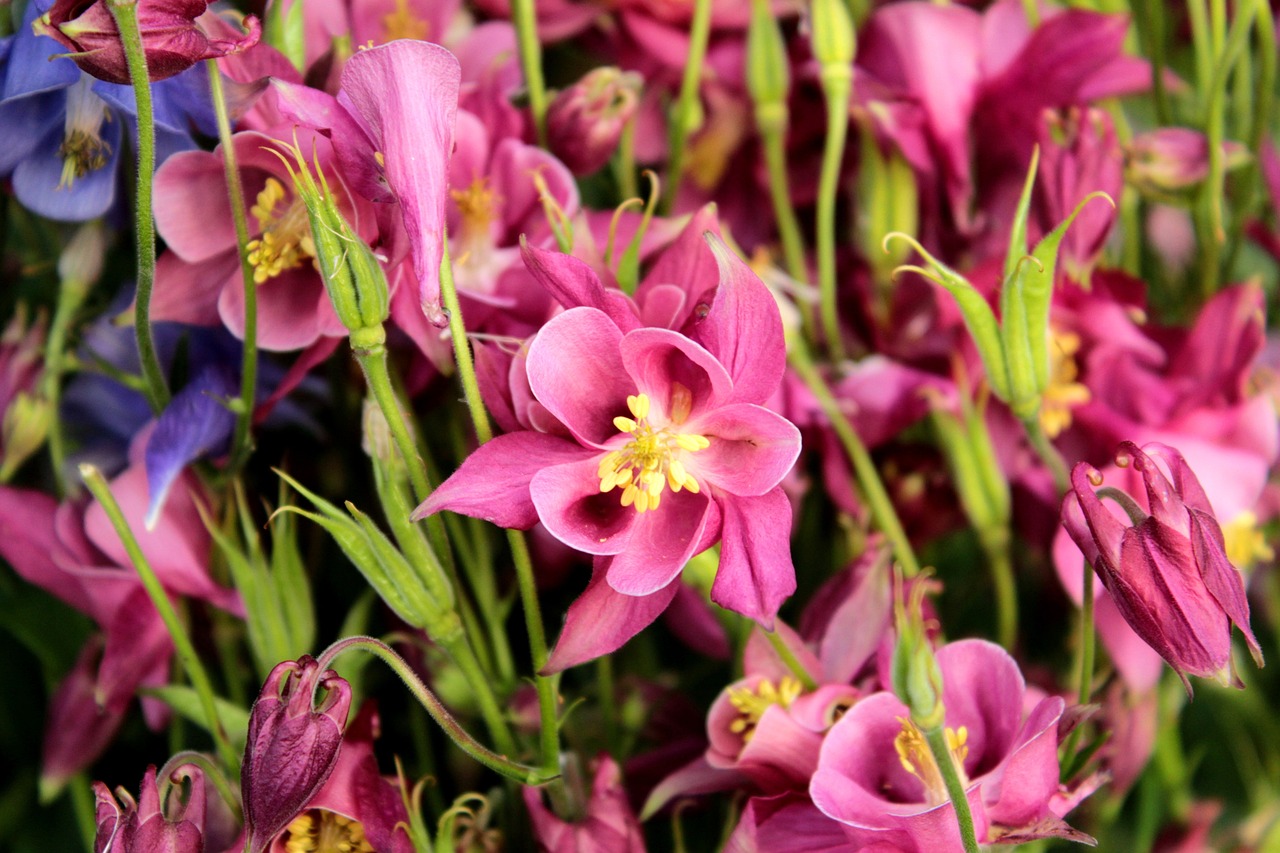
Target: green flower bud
[(833, 39), (768, 72), (917, 681)]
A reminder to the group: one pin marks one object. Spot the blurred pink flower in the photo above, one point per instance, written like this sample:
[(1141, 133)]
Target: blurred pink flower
[(609, 825)]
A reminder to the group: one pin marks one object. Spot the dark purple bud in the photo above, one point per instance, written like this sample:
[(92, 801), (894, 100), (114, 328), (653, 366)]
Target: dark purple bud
[(171, 40), (585, 121), (292, 747), (168, 822)]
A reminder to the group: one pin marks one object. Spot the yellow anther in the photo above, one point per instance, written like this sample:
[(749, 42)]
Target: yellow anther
[(477, 204), (1245, 542), (1064, 393), (286, 233), (320, 831), (917, 759), (752, 703), (639, 406), (650, 462), (624, 424), (404, 24)]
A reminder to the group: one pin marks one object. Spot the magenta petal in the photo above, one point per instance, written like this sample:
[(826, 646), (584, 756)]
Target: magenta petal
[(406, 93), (573, 510), (982, 690), (197, 232), (1021, 790), (743, 328), (601, 620), (659, 358), (78, 728), (493, 482), (1221, 579), (293, 310), (751, 450), (576, 371), (660, 543), (756, 574), (574, 284)]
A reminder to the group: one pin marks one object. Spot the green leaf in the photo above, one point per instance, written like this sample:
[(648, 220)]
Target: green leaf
[(185, 700)]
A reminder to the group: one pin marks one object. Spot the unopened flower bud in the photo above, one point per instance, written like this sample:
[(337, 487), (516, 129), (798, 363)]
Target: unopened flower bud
[(832, 35), (157, 820), (292, 745), (585, 121), (917, 680), (768, 69), (171, 40), (81, 261), (1175, 159), (23, 430)]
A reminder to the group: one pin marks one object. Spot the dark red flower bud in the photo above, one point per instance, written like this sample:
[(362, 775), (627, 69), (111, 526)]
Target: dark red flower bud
[(171, 39), (585, 121), (155, 823), (292, 746)]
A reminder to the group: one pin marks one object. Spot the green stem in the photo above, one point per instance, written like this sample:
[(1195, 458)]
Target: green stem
[(235, 192), (211, 771), (546, 686), (1087, 640), (624, 164), (98, 486), (792, 663), (525, 19), (70, 297), (771, 119), (955, 790), (687, 116), (836, 83), (502, 765), (1152, 20), (84, 808), (125, 14), (873, 490), (1048, 454), (373, 361), (995, 544), (482, 687)]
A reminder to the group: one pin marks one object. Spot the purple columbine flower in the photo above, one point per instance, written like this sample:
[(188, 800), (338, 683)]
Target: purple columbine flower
[(156, 822), (1167, 570), (292, 747), (667, 449)]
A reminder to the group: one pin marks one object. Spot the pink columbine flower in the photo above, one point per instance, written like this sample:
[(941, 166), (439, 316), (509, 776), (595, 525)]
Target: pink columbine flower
[(876, 771), (1167, 570), (171, 39), (669, 450), (609, 824)]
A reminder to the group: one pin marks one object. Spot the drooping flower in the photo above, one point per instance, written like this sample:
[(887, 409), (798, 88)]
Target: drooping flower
[(1167, 571), (172, 41), (669, 450), (585, 121), (292, 746)]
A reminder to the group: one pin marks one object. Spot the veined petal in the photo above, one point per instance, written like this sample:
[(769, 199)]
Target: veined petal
[(406, 95), (493, 482), (657, 359), (751, 450), (574, 284), (576, 371), (662, 540), (194, 424), (756, 574), (601, 620)]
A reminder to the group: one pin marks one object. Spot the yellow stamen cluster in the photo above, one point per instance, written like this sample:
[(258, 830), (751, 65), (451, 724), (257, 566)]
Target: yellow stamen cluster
[(1245, 541), (477, 204), (82, 152), (650, 462), (404, 24), (752, 704), (917, 759), (320, 831), (1064, 392), (286, 233)]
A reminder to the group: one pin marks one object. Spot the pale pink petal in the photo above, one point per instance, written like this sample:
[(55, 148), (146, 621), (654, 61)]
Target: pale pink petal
[(493, 482), (293, 310), (751, 449), (756, 574), (188, 292), (576, 371)]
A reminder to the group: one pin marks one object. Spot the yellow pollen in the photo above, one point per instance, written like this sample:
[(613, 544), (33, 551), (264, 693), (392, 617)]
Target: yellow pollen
[(1245, 543), (286, 239), (917, 759), (320, 831), (404, 24), (477, 204), (650, 463), (81, 153), (1064, 392), (752, 704)]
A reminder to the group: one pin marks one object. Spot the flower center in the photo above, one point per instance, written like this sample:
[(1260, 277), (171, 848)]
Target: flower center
[(404, 24), (917, 759), (478, 205), (286, 233), (752, 704), (82, 149), (650, 462), (320, 831), (1245, 542), (1064, 392)]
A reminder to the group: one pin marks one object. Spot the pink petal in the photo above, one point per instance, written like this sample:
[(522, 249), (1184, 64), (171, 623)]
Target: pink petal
[(657, 359), (601, 620), (493, 482), (756, 574), (574, 284), (661, 541), (188, 292), (751, 450), (198, 232), (573, 510), (743, 328), (293, 310), (576, 371), (982, 690), (406, 94), (1020, 792)]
